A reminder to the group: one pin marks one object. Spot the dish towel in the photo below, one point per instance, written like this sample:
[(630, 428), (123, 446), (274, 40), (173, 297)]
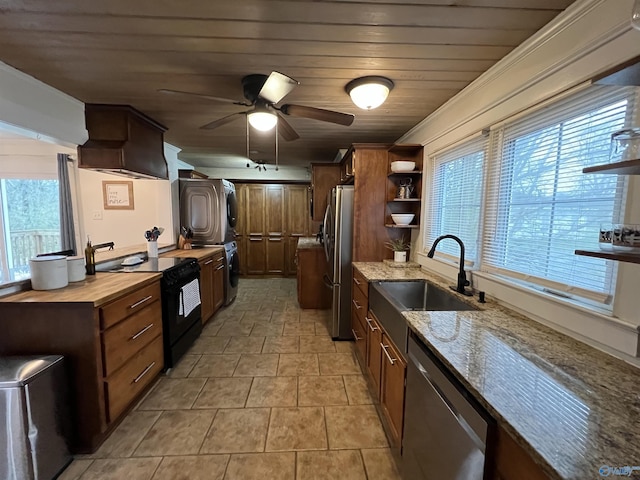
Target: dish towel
[(189, 297)]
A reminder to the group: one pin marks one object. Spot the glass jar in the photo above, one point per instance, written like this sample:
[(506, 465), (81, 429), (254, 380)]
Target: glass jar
[(625, 145)]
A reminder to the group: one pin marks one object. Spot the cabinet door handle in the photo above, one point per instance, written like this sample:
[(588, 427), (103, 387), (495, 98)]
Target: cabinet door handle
[(219, 259), (220, 267), (141, 331), (277, 239), (355, 335), (385, 348), (372, 327), (356, 281), (140, 302), (358, 306), (144, 372), (251, 239), (208, 262)]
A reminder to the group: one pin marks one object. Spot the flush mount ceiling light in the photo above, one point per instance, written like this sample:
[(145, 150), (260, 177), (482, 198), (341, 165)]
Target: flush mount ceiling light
[(369, 92), (262, 119)]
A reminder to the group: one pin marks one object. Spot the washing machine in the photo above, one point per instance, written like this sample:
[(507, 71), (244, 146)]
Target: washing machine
[(232, 272), (231, 210)]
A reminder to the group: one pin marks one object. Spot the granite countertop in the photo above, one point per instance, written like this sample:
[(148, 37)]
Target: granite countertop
[(572, 407), (308, 242)]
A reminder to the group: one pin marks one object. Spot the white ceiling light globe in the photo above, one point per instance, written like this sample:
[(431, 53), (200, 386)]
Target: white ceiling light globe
[(369, 92), (263, 121)]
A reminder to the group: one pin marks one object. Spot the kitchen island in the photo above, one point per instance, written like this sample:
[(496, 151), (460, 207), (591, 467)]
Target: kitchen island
[(571, 408)]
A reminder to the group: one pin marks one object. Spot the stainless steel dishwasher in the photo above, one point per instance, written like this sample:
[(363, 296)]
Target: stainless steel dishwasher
[(445, 429)]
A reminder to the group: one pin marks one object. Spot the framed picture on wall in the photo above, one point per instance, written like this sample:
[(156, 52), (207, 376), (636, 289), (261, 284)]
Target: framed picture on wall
[(117, 195)]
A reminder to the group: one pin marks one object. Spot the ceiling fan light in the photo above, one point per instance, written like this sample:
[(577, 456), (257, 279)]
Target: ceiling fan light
[(263, 121), (369, 92)]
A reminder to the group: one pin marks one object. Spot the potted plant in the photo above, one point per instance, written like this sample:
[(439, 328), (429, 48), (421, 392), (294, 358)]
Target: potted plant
[(400, 247)]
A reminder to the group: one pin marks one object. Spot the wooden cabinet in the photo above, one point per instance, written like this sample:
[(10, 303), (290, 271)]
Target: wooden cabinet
[(291, 260), (112, 352), (297, 216), (324, 176), (374, 350), (206, 288), (275, 260), (256, 255), (274, 210), (255, 210), (359, 307), (392, 388), (360, 336), (312, 292), (218, 281), (512, 462)]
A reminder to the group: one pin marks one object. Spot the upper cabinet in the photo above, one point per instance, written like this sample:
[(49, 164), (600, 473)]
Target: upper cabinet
[(324, 176)]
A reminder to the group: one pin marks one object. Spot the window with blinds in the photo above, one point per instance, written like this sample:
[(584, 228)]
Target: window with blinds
[(456, 198), (541, 207)]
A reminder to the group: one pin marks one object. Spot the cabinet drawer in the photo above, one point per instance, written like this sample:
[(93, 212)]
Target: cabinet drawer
[(125, 384), (129, 304), (360, 304), (360, 282), (124, 339)]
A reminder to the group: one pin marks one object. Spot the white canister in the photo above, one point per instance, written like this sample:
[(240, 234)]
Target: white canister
[(49, 273), (152, 249), (399, 256), (75, 269)]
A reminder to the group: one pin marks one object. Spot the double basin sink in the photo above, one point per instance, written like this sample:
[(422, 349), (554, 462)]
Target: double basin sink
[(388, 299)]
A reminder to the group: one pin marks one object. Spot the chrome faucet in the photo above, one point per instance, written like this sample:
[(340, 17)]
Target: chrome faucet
[(462, 277)]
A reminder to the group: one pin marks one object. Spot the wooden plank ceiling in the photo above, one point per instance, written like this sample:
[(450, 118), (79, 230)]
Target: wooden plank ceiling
[(123, 51)]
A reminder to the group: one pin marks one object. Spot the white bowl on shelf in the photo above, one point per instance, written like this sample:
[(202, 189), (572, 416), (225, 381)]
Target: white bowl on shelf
[(402, 166), (402, 218)]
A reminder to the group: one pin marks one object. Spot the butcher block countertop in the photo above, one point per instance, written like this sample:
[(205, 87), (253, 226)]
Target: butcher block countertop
[(198, 253), (97, 289), (573, 408)]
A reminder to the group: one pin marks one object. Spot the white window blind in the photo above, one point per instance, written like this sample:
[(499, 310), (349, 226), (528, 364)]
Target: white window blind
[(456, 197), (541, 207)]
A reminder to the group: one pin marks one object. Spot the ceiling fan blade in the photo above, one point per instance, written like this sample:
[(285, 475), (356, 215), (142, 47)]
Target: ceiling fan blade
[(222, 121), (202, 95), (277, 86), (286, 130), (340, 118)]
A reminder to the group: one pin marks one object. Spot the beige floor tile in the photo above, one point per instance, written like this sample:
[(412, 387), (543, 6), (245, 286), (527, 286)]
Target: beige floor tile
[(354, 427), (245, 345), (379, 464), (294, 364), (235, 329), (209, 345), (184, 366), (286, 316), (357, 390), (301, 428), (316, 344), (273, 392), (321, 391), (322, 329), (281, 345), (237, 431), (244, 307), (338, 364), (177, 432), (211, 329), (344, 346), (173, 394), (297, 328), (122, 468), (76, 469), (330, 465), (267, 329), (224, 393), (259, 365), (124, 440), (192, 467), (315, 315), (215, 366), (262, 466)]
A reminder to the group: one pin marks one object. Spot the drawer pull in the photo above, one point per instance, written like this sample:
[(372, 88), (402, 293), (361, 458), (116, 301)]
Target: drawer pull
[(275, 239), (372, 327), (358, 306), (220, 267), (355, 335), (208, 262), (297, 234), (144, 372), (219, 259), (386, 352), (356, 281), (140, 302), (141, 331), (255, 239)]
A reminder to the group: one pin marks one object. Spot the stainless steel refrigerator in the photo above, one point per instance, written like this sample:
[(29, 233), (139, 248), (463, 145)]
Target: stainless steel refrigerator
[(338, 233)]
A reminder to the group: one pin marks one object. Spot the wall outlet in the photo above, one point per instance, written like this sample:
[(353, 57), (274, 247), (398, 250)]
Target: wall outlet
[(97, 214)]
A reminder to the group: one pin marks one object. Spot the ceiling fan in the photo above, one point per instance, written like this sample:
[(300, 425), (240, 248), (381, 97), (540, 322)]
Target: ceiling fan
[(263, 92)]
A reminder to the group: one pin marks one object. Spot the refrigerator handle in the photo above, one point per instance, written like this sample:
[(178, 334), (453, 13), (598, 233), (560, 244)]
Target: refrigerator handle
[(325, 232), (327, 281)]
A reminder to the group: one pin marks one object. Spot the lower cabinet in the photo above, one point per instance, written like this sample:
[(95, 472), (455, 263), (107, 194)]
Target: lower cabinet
[(512, 462), (374, 350), (312, 292), (256, 255), (218, 283), (360, 336), (275, 256), (211, 285), (392, 388)]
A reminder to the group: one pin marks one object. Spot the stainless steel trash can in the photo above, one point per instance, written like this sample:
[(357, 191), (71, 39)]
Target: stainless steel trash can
[(34, 414)]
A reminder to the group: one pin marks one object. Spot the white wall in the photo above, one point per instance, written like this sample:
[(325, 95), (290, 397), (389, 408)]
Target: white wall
[(284, 173), (589, 37)]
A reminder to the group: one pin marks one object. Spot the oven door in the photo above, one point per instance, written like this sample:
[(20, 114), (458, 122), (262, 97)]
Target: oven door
[(175, 322)]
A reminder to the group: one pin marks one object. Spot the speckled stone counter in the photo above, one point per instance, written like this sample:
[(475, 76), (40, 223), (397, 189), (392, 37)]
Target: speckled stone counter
[(572, 407), (308, 242)]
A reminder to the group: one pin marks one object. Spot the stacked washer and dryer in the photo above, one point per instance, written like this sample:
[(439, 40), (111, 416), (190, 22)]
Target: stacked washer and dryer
[(210, 209)]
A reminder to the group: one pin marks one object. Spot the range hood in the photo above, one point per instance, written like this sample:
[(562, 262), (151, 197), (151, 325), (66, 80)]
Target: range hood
[(123, 141)]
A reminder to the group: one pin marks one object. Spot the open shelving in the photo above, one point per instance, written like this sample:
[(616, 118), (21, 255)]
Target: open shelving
[(412, 153), (626, 167), (628, 257)]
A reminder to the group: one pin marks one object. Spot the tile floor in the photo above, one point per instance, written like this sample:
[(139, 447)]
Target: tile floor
[(263, 394)]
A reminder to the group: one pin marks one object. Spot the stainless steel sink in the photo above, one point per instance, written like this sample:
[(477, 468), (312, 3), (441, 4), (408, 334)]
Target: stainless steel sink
[(420, 295), (388, 299)]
